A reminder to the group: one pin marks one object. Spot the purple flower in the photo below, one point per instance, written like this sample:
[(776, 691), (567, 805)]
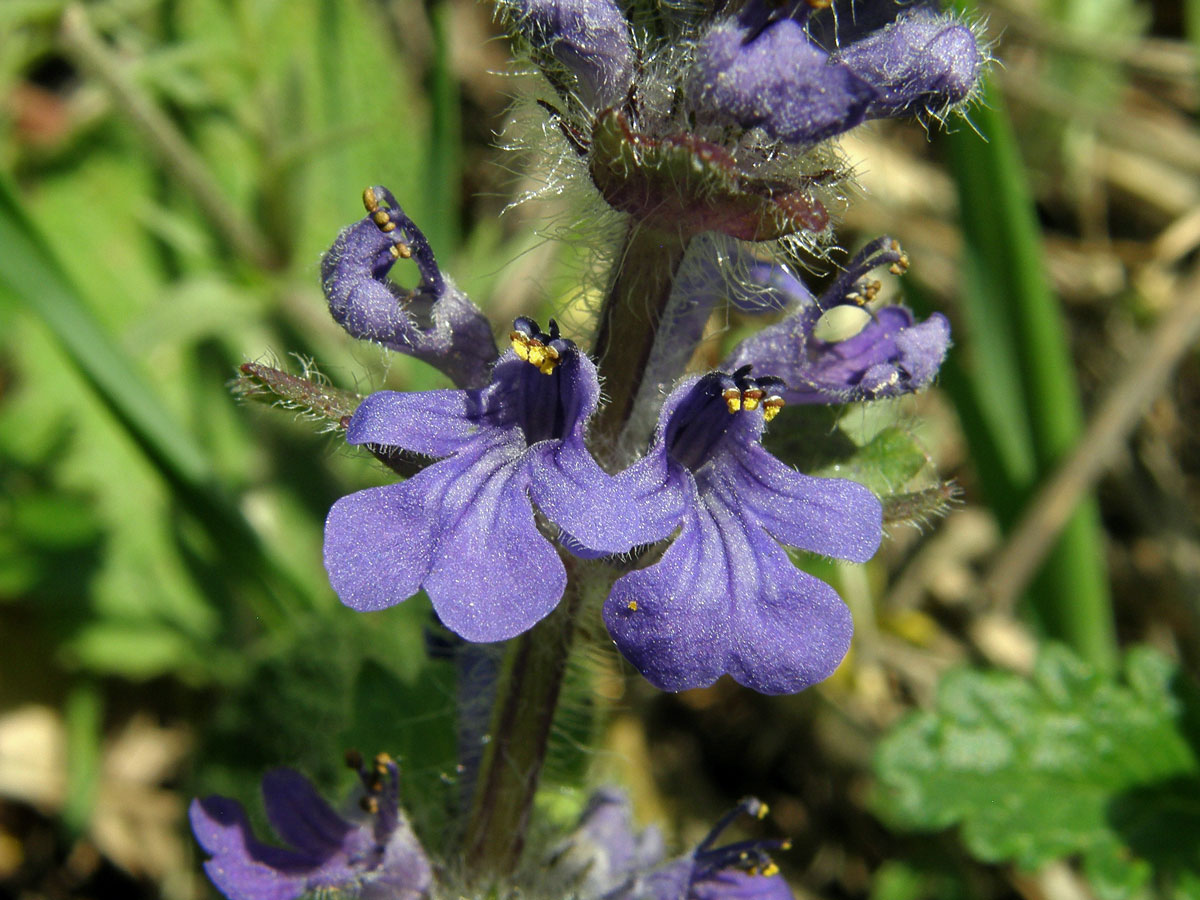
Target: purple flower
[(770, 67), (739, 871), (724, 597), (379, 859), (921, 62), (604, 853), (775, 78), (832, 349), (434, 322), (589, 37), (463, 528)]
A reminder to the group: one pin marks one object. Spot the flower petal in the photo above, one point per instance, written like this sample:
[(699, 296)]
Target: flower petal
[(241, 867), (300, 816), (379, 542), (434, 423), (831, 516), (494, 574), (725, 598), (601, 514)]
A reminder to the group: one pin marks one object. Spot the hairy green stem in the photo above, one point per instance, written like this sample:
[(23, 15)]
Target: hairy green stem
[(525, 705), (536, 662), (629, 320)]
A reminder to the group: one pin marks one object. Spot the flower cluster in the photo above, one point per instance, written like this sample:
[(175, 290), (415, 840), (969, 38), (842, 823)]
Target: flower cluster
[(698, 519), (480, 530)]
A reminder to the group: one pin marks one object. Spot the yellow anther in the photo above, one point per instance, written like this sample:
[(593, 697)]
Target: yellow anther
[(785, 844), (632, 606), (548, 365), (537, 353), (820, 4), (770, 869), (370, 201), (534, 352), (771, 407), (381, 218), (751, 397), (388, 228), (732, 398), (520, 345), (369, 805), (763, 809)]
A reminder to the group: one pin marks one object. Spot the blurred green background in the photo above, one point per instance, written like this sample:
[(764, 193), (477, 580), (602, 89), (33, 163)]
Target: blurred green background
[(170, 173)]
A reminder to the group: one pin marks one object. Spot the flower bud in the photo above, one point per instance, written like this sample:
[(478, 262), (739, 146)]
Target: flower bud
[(589, 37), (777, 79), (922, 61)]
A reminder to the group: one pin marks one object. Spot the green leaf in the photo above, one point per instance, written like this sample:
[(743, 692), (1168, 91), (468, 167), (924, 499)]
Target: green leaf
[(886, 464), (1067, 762)]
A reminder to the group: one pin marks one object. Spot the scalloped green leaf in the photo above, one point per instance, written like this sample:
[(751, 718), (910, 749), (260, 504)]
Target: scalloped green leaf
[(1066, 763)]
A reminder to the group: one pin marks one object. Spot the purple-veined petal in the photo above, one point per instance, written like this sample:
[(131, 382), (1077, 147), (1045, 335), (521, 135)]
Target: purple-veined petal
[(241, 867), (725, 598), (494, 574), (433, 423), (300, 816), (831, 516), (379, 542), (600, 513)]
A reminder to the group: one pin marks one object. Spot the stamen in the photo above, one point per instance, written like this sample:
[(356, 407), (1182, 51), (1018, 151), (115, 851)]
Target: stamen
[(534, 350), (733, 399), (632, 606), (751, 398), (370, 201), (369, 804), (771, 407)]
